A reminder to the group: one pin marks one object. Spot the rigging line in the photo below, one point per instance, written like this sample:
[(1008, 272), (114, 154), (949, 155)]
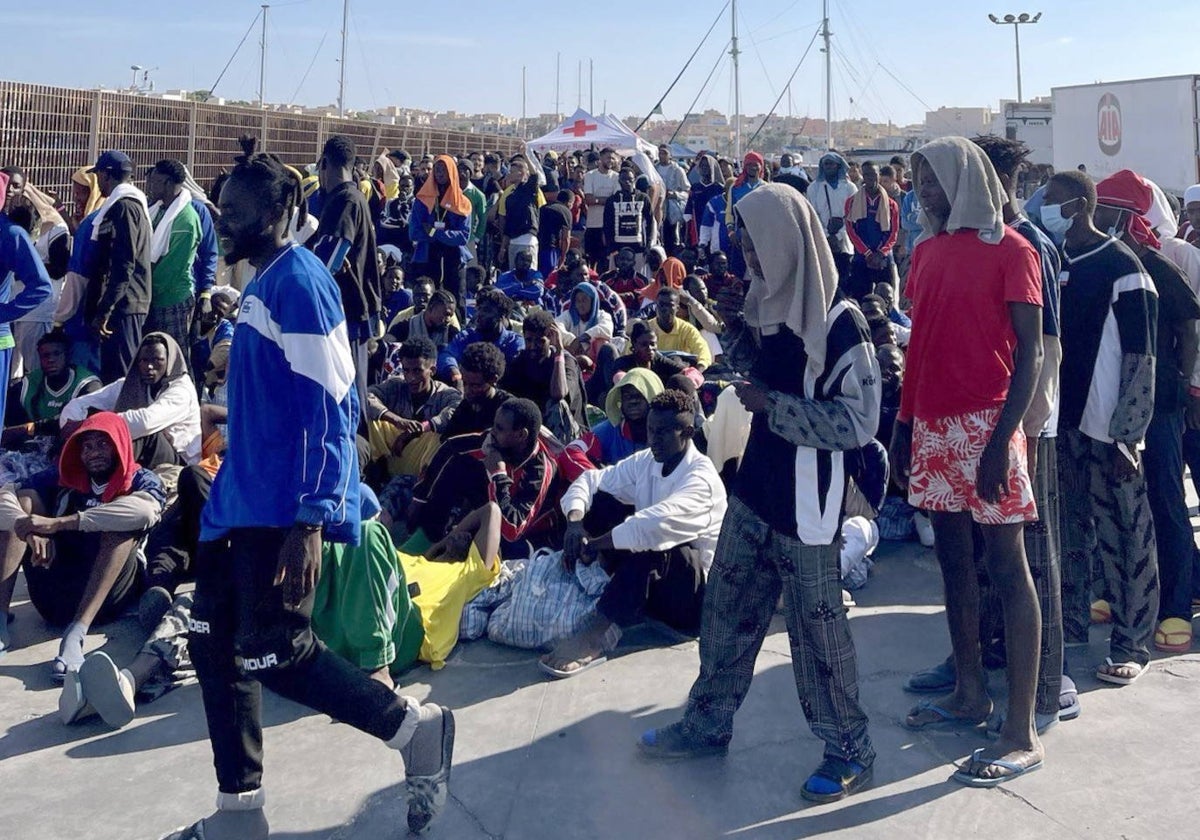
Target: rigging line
[(758, 55), (896, 79), (720, 58), (787, 32), (793, 5), (658, 105), (311, 64), (779, 99), (249, 29), (362, 51)]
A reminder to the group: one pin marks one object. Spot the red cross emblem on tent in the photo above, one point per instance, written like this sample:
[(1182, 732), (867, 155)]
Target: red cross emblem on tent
[(580, 128)]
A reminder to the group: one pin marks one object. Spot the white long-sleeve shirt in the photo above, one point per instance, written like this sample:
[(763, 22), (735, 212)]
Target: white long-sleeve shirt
[(830, 203), (176, 412), (686, 506)]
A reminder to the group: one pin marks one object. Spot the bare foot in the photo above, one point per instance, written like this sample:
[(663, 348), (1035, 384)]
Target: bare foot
[(572, 654), (978, 765)]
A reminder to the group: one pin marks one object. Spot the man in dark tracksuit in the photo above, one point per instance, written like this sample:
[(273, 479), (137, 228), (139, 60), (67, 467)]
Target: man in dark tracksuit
[(118, 298)]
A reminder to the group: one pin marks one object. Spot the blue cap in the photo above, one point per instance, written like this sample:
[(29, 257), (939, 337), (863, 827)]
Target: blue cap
[(113, 161)]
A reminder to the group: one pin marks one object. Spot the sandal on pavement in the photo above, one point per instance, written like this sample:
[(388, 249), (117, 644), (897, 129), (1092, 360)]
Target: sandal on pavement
[(963, 775), (945, 719), (1101, 612), (584, 663), (1116, 679), (835, 779), (1069, 706), (1174, 635), (936, 680), (670, 743)]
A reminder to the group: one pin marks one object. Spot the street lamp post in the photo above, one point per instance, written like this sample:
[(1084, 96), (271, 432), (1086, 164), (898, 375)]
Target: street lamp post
[(1015, 21)]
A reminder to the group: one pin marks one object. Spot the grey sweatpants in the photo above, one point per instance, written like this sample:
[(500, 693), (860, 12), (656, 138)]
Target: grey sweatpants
[(753, 564)]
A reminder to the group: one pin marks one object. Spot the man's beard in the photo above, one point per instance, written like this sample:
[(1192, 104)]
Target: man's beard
[(248, 246)]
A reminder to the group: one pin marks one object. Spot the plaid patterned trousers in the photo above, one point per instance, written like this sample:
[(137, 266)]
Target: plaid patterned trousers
[(753, 564)]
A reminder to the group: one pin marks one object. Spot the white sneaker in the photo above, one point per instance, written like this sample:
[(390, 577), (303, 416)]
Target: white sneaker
[(72, 705), (108, 689), (924, 529)]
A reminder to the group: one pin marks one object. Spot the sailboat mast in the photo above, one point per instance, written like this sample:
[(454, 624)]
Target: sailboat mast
[(828, 79), (737, 89)]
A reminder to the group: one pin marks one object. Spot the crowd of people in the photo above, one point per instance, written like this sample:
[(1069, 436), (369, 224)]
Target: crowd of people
[(312, 425)]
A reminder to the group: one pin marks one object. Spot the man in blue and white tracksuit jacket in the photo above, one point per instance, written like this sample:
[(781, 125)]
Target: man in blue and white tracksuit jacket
[(290, 475)]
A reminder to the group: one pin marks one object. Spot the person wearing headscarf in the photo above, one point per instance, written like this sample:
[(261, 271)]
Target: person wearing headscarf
[(1123, 202), (708, 185), (585, 327), (749, 179), (19, 262), (668, 273), (812, 384), (80, 521), (872, 221), (829, 194), (958, 446), (623, 431), (440, 227), (157, 399)]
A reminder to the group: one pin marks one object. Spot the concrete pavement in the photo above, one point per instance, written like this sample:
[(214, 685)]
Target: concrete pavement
[(538, 759)]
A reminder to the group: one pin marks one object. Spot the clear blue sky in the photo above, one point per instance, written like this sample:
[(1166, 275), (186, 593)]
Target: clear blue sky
[(468, 55)]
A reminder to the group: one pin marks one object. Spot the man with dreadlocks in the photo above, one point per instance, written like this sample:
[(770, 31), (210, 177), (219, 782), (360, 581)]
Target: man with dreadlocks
[(289, 481)]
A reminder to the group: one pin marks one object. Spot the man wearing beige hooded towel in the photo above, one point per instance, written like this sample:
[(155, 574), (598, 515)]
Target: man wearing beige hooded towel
[(958, 446), (814, 392)]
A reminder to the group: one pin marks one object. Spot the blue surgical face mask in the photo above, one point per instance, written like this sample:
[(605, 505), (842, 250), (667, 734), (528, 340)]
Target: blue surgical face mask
[(1054, 221)]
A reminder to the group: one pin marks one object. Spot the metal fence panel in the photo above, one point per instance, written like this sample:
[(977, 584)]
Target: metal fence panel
[(50, 132)]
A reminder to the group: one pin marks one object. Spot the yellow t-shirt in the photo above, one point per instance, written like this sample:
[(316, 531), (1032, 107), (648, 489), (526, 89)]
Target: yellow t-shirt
[(445, 590), (683, 338)]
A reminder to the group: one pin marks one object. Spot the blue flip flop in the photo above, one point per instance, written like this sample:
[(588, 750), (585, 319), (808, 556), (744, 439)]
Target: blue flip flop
[(948, 720), (971, 780)]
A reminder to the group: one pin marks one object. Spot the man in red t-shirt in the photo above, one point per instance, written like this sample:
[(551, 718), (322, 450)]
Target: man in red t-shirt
[(973, 363)]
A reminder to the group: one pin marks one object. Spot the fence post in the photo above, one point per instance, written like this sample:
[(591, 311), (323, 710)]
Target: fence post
[(94, 132), (191, 151)]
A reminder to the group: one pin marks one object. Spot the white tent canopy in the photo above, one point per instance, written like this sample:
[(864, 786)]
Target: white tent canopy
[(582, 131)]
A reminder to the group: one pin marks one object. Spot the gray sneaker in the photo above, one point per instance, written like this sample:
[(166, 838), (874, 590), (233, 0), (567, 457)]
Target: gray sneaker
[(108, 689), (427, 794)]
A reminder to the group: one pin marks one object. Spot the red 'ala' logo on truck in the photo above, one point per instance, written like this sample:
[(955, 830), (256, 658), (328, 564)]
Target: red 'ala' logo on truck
[(1108, 124)]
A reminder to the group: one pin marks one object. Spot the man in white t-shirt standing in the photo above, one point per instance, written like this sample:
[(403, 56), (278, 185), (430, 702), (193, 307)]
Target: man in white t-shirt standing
[(598, 185), (829, 194)]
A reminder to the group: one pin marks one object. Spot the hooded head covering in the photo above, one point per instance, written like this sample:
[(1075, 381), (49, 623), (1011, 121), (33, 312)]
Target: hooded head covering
[(971, 185), (841, 170), (800, 277), (594, 317), (1190, 195), (3, 189), (751, 157), (669, 275), (644, 380), (88, 179), (74, 476), (1161, 215), (134, 394), (718, 177), (453, 200), (1127, 191)]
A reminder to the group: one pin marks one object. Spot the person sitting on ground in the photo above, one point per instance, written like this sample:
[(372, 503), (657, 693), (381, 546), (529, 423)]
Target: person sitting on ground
[(623, 432), (585, 327), (482, 366), (626, 280), (158, 401), (574, 274), (545, 373), (677, 335), (75, 528), (719, 277), (492, 309), (439, 323), (408, 406), (652, 520), (644, 353), (524, 283), (42, 393), (213, 327), (509, 465), (696, 308)]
